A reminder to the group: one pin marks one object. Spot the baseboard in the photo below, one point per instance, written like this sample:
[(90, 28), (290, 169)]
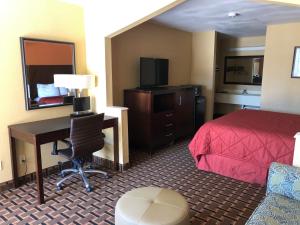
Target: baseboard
[(110, 164), (103, 162), (123, 167), (6, 185), (31, 176), (55, 169)]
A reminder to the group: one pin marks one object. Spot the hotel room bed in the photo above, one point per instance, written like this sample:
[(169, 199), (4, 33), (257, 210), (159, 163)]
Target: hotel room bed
[(243, 144)]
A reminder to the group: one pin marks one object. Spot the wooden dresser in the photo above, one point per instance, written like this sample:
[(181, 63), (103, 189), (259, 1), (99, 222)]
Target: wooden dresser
[(158, 116)]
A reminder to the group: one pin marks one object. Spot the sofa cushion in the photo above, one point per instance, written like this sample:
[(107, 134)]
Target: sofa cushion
[(276, 210), (284, 180)]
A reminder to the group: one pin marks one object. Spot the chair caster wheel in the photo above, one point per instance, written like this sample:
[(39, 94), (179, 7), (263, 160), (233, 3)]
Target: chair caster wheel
[(90, 167), (108, 176), (59, 188), (89, 189)]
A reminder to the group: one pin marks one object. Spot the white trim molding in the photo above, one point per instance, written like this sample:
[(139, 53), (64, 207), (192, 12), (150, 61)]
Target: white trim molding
[(250, 48)]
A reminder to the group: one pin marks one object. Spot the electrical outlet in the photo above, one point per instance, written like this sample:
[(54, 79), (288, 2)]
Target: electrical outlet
[(1, 168)]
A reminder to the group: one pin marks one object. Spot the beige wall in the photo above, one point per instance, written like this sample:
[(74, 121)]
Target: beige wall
[(106, 152), (203, 66), (104, 20), (224, 44), (39, 19), (58, 20), (279, 91), (149, 40)]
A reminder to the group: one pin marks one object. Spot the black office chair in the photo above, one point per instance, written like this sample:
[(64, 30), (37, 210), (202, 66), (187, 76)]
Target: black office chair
[(85, 138)]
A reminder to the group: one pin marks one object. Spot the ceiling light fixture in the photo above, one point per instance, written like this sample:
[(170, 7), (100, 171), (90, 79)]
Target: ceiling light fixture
[(233, 14)]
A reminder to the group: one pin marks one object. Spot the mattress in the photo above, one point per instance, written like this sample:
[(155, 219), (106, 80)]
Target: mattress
[(242, 144)]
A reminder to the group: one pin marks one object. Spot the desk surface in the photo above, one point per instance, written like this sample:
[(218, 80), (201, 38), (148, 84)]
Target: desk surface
[(46, 126)]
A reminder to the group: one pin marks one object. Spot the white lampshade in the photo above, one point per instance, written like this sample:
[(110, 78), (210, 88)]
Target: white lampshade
[(72, 81)]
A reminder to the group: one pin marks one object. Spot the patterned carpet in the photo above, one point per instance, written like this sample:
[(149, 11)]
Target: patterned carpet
[(213, 199)]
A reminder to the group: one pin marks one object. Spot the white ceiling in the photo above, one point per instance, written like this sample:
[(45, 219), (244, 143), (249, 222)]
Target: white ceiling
[(203, 15)]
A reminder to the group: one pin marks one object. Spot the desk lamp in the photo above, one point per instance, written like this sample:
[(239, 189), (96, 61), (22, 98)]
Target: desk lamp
[(81, 105)]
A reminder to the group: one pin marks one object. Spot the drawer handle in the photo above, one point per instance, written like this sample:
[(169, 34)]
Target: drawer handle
[(169, 135), (169, 114), (169, 125)]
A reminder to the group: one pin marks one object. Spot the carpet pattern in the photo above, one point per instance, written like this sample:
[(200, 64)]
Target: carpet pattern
[(213, 199)]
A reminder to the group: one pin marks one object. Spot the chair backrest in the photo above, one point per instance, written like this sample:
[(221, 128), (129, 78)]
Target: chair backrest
[(86, 135)]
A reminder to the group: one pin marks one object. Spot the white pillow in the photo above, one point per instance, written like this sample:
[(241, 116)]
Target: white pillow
[(63, 91), (47, 90)]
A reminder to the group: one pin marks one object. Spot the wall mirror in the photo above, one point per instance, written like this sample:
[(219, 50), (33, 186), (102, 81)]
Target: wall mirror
[(42, 59), (245, 70)]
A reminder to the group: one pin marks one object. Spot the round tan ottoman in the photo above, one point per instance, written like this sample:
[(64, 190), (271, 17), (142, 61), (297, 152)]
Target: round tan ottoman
[(152, 206)]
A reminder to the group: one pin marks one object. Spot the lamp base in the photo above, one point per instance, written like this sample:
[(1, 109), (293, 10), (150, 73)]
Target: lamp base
[(82, 113)]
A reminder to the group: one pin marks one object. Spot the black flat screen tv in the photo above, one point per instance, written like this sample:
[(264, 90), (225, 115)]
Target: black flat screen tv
[(153, 72)]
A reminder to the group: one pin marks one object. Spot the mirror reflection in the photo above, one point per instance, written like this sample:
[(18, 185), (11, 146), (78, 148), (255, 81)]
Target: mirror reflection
[(245, 70), (41, 60)]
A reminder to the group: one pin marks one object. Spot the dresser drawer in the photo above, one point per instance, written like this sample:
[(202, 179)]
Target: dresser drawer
[(163, 138), (165, 117), (163, 123), (163, 131), (163, 128), (168, 127), (168, 115)]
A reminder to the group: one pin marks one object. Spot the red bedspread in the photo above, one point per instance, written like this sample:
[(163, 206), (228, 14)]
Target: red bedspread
[(51, 100), (242, 144)]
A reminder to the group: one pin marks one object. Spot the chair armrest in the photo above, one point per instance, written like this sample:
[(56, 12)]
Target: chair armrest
[(67, 143), (54, 148), (284, 180)]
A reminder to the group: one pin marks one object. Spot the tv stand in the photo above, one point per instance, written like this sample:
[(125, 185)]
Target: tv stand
[(158, 116)]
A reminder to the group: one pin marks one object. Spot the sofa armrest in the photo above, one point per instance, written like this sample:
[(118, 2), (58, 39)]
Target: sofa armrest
[(284, 180)]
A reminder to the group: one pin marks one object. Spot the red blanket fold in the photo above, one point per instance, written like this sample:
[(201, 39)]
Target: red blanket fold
[(248, 141)]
